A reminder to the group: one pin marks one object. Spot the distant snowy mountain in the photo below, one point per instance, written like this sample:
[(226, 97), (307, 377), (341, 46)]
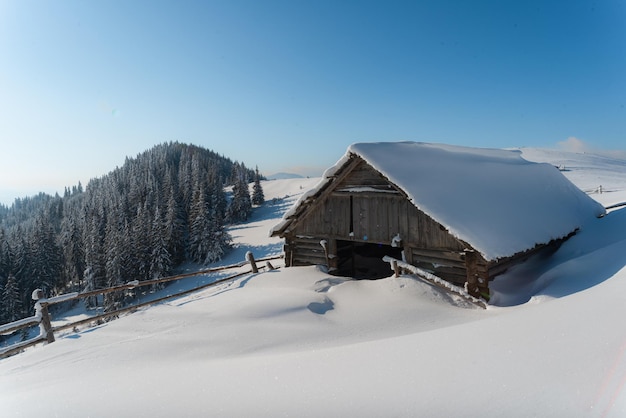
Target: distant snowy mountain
[(283, 176)]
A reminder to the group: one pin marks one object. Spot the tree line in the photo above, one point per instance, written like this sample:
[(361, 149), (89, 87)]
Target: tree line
[(165, 207)]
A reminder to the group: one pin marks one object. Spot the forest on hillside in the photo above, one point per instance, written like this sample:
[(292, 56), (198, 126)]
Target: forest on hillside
[(139, 222)]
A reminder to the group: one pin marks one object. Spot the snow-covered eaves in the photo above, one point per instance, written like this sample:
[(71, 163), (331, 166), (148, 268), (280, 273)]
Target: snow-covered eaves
[(493, 199)]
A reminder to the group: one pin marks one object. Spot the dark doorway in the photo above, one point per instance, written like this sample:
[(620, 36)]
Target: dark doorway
[(364, 260)]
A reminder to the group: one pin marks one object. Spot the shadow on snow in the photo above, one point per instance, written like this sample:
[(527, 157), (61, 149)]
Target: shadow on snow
[(593, 255)]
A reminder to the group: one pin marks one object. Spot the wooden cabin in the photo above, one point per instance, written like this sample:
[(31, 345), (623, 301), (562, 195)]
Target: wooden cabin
[(463, 214)]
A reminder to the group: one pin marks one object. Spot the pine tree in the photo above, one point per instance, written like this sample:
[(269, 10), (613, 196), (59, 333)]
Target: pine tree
[(160, 261), (219, 240), (240, 206), (11, 303), (91, 280), (44, 257), (107, 232), (141, 243), (71, 242), (94, 275), (114, 263), (175, 227), (199, 227), (258, 198), (5, 254)]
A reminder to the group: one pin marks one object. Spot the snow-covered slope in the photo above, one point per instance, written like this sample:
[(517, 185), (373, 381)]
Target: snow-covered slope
[(602, 176), (298, 342)]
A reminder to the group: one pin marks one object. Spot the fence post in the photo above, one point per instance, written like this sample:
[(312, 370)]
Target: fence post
[(41, 312), (396, 270), (324, 245), (250, 259)]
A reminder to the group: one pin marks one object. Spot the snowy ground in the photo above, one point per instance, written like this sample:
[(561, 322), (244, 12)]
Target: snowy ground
[(298, 342)]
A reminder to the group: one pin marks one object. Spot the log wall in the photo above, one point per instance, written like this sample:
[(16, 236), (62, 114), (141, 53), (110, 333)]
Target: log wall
[(361, 205), (364, 206), (304, 251)]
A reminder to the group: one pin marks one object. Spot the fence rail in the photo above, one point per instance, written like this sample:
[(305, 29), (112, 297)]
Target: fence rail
[(397, 266), (42, 317), (616, 205)]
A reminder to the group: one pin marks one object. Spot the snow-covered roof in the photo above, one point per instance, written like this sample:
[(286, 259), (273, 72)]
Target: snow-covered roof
[(493, 199)]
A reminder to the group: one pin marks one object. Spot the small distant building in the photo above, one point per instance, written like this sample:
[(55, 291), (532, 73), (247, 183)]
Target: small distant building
[(463, 214)]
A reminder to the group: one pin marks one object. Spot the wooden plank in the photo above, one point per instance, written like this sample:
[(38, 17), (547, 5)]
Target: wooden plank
[(331, 216), (435, 261), (378, 218), (306, 251), (477, 275), (307, 248), (364, 175), (455, 276), (452, 274), (442, 253), (425, 232), (313, 243), (151, 302), (16, 348), (134, 284), (9, 328), (366, 191), (332, 254), (315, 201), (443, 257), (302, 259), (439, 282)]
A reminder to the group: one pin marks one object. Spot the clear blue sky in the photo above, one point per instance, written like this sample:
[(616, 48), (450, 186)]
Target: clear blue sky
[(288, 85)]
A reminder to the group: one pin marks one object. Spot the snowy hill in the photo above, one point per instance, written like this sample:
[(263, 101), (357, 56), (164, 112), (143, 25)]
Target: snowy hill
[(299, 342), (590, 172)]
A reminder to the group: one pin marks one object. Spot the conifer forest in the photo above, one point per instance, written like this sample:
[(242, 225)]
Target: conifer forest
[(166, 206)]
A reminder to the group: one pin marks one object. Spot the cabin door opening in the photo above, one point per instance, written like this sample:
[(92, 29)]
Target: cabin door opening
[(364, 260)]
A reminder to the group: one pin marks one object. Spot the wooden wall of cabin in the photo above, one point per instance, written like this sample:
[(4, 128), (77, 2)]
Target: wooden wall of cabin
[(366, 207), (377, 218), (329, 218), (304, 251)]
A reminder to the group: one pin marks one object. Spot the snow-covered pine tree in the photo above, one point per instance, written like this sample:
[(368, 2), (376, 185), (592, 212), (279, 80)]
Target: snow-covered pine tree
[(241, 204), (44, 257), (220, 239), (114, 262), (5, 254), (141, 243), (18, 254), (199, 227), (71, 243), (175, 230), (90, 281), (11, 302), (160, 260), (94, 275), (164, 178), (258, 198)]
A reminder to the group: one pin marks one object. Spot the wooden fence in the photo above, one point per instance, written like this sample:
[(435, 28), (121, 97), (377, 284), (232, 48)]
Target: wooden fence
[(398, 266), (42, 315)]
